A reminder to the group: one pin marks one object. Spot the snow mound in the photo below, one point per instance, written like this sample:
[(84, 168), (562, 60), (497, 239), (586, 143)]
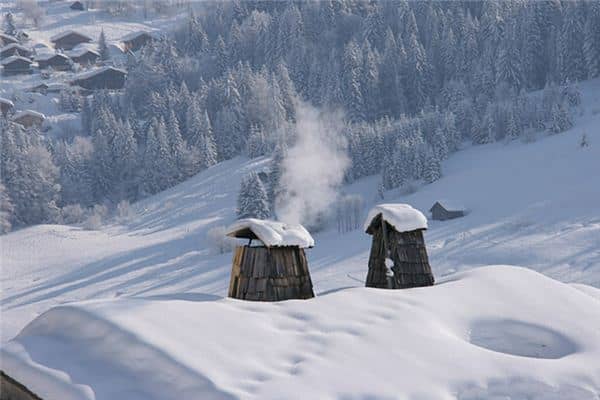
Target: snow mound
[(271, 233), (402, 217), (351, 343)]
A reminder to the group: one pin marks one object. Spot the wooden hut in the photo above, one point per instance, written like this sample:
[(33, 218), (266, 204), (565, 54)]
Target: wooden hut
[(16, 65), (14, 49), (7, 39), (276, 267), (56, 61), (77, 6), (68, 39), (6, 106), (84, 55), (135, 40), (29, 118), (443, 210), (398, 256), (101, 78)]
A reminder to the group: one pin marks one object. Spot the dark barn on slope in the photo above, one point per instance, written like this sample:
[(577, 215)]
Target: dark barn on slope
[(443, 210), (69, 39), (58, 62), (398, 242), (101, 78), (274, 270)]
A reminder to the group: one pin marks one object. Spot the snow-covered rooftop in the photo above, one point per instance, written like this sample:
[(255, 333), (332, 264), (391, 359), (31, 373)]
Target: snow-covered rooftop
[(32, 113), (6, 37), (15, 45), (10, 59), (81, 49), (133, 35), (451, 205), (48, 56), (61, 35), (272, 233), (6, 101), (89, 74), (402, 217)]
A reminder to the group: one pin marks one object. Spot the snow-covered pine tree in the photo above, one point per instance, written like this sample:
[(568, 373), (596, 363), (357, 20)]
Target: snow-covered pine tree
[(9, 24), (253, 201), (561, 120), (433, 169), (6, 210), (103, 47)]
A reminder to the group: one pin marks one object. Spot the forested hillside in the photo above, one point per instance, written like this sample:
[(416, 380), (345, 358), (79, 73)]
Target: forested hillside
[(412, 82)]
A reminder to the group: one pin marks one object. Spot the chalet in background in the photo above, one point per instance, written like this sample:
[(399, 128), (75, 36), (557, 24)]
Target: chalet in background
[(274, 270), (14, 49), (7, 39), (6, 106), (443, 210), (57, 61), (77, 6), (69, 39), (135, 40), (398, 242), (16, 65), (29, 118), (101, 78), (84, 55)]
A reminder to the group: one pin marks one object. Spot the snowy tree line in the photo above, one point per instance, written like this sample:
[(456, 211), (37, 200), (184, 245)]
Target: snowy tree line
[(415, 80)]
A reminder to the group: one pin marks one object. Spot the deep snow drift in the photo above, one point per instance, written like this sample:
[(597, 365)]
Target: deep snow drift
[(499, 330)]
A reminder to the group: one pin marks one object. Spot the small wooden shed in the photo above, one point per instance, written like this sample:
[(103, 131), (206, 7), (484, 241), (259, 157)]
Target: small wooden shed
[(57, 61), (29, 118), (101, 78), (443, 210), (16, 65), (84, 55), (7, 39), (77, 6), (398, 256), (136, 40), (273, 269), (68, 39), (6, 106), (14, 49)]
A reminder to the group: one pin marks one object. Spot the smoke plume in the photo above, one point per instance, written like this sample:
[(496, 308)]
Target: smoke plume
[(313, 168)]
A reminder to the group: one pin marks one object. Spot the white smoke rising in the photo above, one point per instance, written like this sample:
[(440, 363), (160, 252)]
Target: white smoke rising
[(313, 168)]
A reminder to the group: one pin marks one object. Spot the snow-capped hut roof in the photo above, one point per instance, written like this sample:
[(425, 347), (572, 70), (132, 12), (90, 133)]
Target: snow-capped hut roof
[(28, 118), (7, 102), (5, 106), (7, 39), (273, 272), (135, 40), (13, 49), (397, 231), (446, 209), (271, 233), (12, 59), (69, 39), (81, 49), (77, 6), (57, 61), (101, 78), (402, 217)]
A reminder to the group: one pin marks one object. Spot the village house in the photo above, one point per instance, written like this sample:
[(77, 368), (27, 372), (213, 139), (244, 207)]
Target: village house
[(29, 118), (443, 210), (273, 269), (68, 39), (6, 106), (101, 78), (41, 88), (57, 61), (83, 55), (7, 39), (136, 40), (14, 49), (77, 6), (16, 65), (398, 256)]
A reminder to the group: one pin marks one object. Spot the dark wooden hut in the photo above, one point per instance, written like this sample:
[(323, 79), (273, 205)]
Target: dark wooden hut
[(275, 269), (57, 61), (16, 65), (443, 210), (101, 78), (14, 49), (29, 118), (77, 6), (398, 256), (7, 39), (6, 106), (84, 56), (135, 40), (69, 39)]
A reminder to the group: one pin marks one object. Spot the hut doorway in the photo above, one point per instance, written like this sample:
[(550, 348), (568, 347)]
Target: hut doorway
[(398, 256), (274, 269)]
